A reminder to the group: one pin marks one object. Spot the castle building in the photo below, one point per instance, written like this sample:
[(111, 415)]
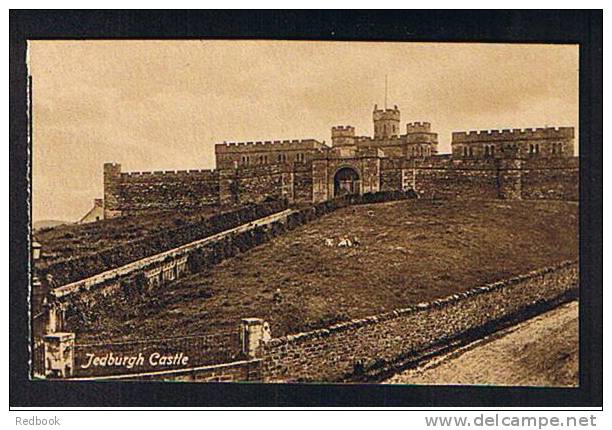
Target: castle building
[(511, 164), (549, 142)]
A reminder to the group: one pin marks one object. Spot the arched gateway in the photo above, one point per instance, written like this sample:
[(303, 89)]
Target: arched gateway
[(346, 181)]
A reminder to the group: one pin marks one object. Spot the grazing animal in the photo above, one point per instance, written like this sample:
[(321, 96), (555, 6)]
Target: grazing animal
[(345, 243)]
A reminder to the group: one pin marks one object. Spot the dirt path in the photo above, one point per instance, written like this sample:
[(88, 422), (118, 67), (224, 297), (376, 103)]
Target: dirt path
[(542, 351)]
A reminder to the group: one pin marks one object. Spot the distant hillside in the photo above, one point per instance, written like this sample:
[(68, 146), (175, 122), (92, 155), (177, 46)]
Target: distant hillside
[(47, 223)]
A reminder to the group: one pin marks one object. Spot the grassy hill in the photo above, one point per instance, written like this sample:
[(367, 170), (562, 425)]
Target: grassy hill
[(410, 251)]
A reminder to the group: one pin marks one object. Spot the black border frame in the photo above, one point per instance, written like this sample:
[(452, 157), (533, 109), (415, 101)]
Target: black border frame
[(583, 27)]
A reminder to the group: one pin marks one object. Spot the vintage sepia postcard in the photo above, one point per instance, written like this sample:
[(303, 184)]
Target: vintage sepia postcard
[(349, 212), (241, 211)]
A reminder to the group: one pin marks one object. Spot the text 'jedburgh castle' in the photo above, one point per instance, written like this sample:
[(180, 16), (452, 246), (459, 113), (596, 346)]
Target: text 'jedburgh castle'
[(509, 164)]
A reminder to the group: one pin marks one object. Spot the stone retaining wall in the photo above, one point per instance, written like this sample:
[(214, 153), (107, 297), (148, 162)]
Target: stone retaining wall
[(353, 350), (342, 352)]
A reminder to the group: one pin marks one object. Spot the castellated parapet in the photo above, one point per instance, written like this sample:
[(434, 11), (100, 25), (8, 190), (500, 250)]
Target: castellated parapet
[(343, 135), (244, 154), (514, 143), (386, 122), (171, 174), (386, 114), (515, 134), (343, 131), (267, 145), (418, 127)]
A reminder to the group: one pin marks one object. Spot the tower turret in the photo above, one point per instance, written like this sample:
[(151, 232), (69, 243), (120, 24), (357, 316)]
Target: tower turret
[(386, 122), (343, 135), (112, 185), (418, 127)]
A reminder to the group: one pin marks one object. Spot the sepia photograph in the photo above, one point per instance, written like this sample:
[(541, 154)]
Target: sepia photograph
[(304, 212)]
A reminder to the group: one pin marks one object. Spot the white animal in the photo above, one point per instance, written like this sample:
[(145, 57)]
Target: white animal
[(345, 243), (329, 242)]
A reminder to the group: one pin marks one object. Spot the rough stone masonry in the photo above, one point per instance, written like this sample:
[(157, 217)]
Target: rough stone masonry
[(508, 164)]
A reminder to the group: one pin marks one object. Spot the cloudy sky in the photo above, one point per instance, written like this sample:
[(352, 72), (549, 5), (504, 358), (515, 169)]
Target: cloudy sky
[(162, 105)]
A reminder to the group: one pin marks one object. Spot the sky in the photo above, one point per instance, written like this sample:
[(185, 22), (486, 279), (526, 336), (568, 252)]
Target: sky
[(162, 105)]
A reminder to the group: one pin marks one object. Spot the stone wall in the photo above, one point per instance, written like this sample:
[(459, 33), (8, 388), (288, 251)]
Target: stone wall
[(552, 179), (156, 248), (302, 183), (546, 142), (132, 192), (249, 154), (128, 193), (346, 351), (443, 177), (257, 183), (313, 181), (366, 348)]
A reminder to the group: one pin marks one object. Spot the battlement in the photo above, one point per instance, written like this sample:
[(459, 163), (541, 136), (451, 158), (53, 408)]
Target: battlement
[(386, 114), (170, 174), (418, 127), (343, 131), (268, 145), (111, 169), (343, 135), (513, 134)]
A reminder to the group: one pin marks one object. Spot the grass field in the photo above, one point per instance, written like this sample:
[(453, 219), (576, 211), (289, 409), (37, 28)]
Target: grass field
[(410, 251)]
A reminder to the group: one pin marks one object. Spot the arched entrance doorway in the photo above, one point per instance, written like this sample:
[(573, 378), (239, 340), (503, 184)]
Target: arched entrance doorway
[(346, 181)]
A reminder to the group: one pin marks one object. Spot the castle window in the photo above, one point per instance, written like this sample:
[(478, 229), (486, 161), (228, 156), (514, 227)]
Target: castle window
[(531, 148), (492, 150), (537, 148), (465, 151), (471, 151), (554, 148), (486, 150)]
